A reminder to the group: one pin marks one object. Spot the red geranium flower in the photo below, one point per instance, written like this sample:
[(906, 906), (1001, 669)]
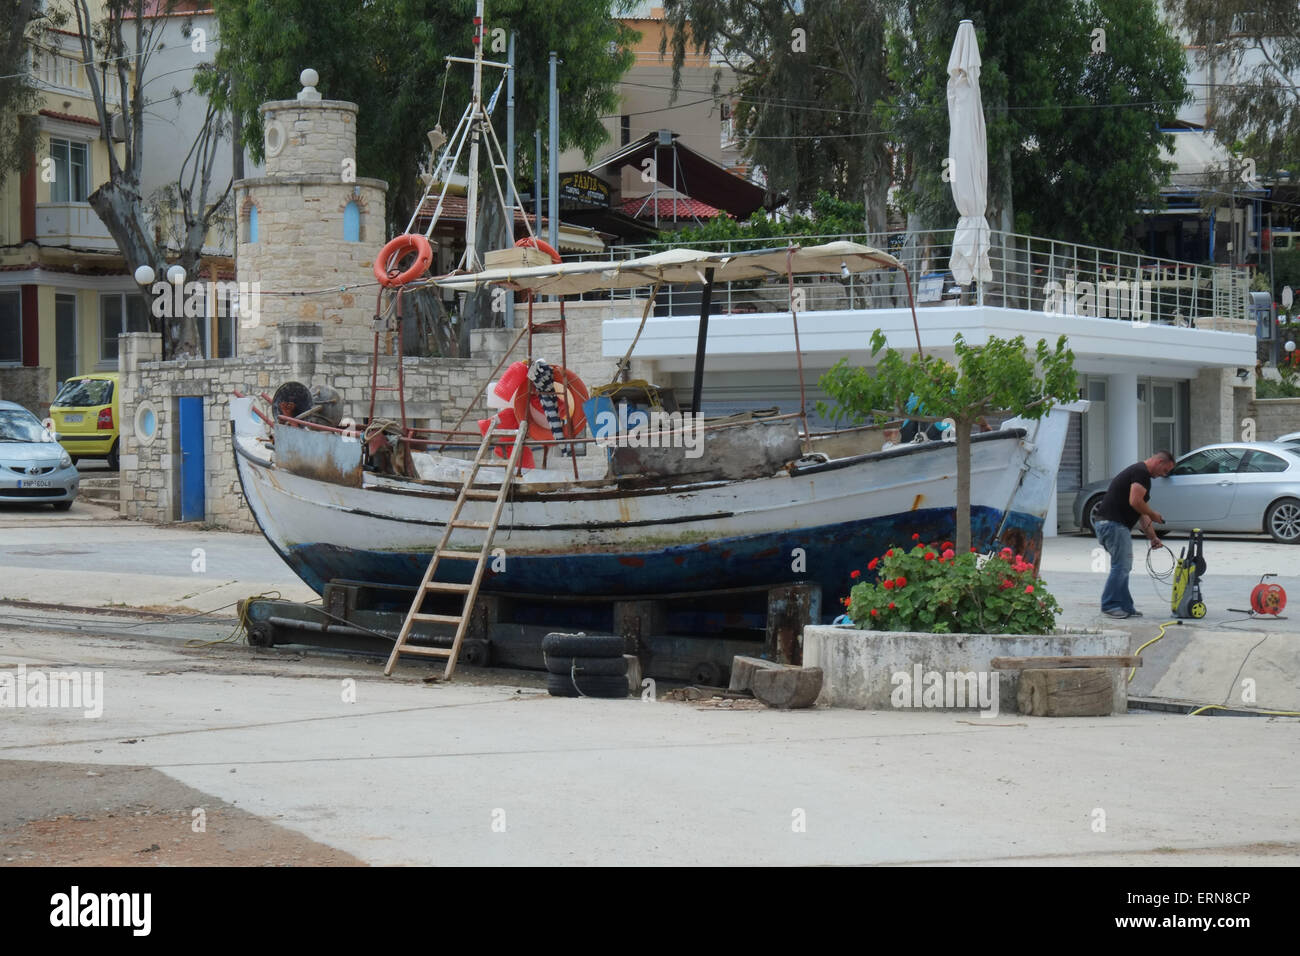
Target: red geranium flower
[(875, 613), (1029, 589), (929, 555), (900, 582), (887, 584), (947, 545), (892, 605), (855, 574), (871, 565), (848, 602), (916, 537), (949, 554), (889, 553)]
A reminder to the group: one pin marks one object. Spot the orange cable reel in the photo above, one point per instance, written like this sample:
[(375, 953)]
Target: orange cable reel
[(1267, 599), (387, 266)]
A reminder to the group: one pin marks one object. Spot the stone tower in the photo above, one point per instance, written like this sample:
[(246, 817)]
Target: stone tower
[(309, 225)]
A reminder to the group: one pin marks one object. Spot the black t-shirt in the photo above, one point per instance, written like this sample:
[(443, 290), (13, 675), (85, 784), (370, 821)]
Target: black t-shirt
[(1115, 505)]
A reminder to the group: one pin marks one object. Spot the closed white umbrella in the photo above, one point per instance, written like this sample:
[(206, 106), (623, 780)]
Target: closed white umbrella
[(969, 167)]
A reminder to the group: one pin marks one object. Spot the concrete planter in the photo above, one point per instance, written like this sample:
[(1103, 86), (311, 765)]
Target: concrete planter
[(860, 667)]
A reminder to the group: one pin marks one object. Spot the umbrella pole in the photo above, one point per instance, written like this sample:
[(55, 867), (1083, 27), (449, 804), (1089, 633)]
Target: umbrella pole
[(706, 299), (798, 353)]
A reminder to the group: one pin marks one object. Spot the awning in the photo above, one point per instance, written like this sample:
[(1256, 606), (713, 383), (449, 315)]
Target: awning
[(697, 175)]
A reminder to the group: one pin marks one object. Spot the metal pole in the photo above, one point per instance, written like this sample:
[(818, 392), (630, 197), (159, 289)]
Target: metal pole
[(537, 183), (553, 179), (510, 164), (472, 262), (706, 297)]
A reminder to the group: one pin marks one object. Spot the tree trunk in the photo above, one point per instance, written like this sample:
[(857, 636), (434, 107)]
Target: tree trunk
[(963, 486)]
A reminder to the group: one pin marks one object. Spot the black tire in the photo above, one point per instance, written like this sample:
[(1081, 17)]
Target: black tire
[(559, 685), (1088, 507), (588, 666), (112, 458), (582, 645), (60, 505), (1282, 521)]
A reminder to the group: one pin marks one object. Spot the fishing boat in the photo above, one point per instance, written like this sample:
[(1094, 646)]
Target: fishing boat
[(766, 501)]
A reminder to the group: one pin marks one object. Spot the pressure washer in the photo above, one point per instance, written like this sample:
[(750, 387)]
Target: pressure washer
[(1186, 600)]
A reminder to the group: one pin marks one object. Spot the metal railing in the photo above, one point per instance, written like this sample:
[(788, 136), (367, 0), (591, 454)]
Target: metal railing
[(1029, 273)]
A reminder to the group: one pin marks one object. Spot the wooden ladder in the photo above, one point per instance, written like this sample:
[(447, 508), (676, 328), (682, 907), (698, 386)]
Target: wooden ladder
[(470, 591)]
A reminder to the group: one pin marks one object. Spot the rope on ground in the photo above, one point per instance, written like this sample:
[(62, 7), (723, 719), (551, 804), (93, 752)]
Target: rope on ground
[(241, 624)]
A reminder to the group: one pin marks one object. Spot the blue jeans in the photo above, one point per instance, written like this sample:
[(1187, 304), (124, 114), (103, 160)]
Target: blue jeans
[(1118, 542)]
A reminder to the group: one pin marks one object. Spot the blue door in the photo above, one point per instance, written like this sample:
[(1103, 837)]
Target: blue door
[(192, 471)]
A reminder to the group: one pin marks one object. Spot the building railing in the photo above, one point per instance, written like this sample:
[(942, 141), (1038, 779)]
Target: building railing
[(1030, 273)]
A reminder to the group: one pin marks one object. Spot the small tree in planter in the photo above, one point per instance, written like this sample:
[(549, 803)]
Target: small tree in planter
[(998, 377)]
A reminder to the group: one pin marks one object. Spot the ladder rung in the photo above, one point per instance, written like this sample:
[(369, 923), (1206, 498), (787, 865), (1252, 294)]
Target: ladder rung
[(446, 586), (462, 555), (470, 524), (437, 618), (426, 651), (494, 464), (480, 495)]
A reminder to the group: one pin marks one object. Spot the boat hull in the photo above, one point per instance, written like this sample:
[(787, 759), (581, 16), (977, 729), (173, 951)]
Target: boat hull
[(813, 526)]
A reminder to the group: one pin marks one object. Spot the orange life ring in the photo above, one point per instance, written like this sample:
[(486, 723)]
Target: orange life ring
[(394, 251), (540, 246), (570, 391)]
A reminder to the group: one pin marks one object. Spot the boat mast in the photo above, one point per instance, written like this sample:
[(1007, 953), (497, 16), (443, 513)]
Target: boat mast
[(472, 261)]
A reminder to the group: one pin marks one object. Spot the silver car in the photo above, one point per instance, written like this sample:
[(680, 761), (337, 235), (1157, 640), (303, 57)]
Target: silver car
[(1244, 487), (33, 466)]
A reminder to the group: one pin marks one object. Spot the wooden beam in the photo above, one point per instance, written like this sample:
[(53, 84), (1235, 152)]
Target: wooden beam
[(1099, 660)]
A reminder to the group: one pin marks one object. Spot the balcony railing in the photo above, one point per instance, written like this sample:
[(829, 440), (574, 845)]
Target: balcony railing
[(1029, 273), (72, 224)]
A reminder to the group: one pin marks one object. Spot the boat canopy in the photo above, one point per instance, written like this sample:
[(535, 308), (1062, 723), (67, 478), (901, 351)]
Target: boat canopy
[(684, 266)]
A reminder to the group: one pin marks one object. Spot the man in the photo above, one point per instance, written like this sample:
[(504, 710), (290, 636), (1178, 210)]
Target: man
[(1125, 505)]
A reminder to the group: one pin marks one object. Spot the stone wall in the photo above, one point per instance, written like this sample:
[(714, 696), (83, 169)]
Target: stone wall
[(1275, 416), (584, 338), (437, 391), (29, 387)]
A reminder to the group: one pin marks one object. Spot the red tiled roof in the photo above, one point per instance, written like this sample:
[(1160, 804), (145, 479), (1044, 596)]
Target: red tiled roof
[(686, 208), (454, 209), (70, 117)]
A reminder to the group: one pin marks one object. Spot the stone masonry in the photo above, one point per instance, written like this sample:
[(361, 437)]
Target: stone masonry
[(307, 270)]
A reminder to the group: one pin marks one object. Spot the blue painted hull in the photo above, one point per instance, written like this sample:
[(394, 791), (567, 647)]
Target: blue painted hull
[(830, 552)]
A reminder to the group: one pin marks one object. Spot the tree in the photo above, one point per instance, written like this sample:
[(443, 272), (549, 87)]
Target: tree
[(117, 50), (809, 77), (23, 26), (1252, 51), (387, 56), (996, 377), (829, 217), (1073, 117)]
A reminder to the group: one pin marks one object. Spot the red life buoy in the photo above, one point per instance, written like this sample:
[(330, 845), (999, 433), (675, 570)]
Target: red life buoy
[(540, 246), (570, 393), (394, 252)]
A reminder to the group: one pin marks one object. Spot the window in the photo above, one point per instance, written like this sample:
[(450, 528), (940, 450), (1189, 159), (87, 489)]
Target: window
[(252, 224), (1261, 461), (119, 312), (71, 171), (351, 223), (11, 328), (1211, 461)]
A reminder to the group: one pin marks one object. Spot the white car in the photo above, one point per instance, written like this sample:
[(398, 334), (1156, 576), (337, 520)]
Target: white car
[(33, 466)]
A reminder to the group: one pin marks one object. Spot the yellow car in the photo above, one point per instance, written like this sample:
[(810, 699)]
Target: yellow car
[(86, 417)]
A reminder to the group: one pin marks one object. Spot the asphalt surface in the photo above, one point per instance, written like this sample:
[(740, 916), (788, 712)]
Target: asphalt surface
[(489, 769)]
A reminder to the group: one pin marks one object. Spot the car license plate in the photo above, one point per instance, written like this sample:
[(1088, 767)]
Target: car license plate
[(36, 483), (72, 419)]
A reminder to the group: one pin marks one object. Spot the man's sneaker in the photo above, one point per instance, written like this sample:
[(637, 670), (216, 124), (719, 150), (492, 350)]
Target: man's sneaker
[(1134, 613), (1116, 613)]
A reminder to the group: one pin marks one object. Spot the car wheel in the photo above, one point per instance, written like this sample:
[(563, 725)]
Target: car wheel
[(61, 505), (1089, 507), (112, 458), (1282, 521)]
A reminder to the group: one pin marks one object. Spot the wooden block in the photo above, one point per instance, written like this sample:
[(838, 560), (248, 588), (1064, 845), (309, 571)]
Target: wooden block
[(790, 609), (1041, 663), (636, 622), (1076, 692), (633, 674), (743, 670), (788, 687)]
